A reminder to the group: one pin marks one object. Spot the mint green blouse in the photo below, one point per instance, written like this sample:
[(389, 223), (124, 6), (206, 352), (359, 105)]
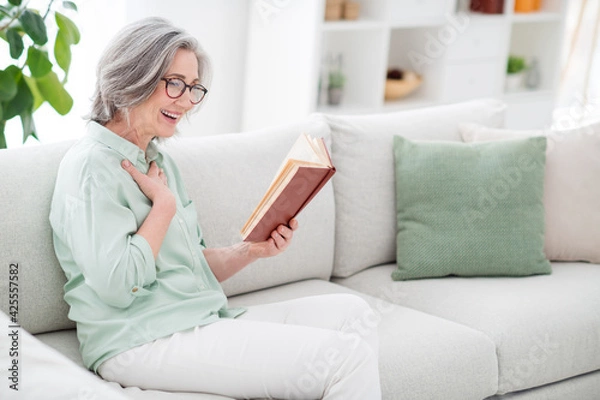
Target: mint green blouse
[(119, 295)]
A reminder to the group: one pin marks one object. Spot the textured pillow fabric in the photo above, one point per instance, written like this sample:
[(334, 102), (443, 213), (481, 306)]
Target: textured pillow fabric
[(572, 188), (469, 209), (365, 231)]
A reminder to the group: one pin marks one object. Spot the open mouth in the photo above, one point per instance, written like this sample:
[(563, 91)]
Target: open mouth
[(169, 115)]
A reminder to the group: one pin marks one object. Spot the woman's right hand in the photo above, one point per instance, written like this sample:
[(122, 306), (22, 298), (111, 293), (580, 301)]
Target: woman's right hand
[(154, 184)]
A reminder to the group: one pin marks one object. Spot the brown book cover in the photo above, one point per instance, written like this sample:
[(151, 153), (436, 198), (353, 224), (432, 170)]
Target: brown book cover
[(295, 185)]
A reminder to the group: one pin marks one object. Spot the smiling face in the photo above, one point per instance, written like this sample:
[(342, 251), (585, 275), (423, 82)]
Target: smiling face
[(158, 116)]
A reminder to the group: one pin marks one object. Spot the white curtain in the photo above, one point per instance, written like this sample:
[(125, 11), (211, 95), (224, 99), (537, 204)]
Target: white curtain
[(578, 97)]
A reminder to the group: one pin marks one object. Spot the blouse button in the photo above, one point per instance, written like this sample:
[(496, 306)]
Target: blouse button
[(135, 289)]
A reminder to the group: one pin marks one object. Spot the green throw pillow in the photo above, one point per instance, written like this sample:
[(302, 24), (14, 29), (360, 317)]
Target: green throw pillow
[(470, 209)]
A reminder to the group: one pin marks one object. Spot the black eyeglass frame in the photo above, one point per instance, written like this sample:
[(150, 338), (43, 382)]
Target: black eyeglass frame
[(185, 86)]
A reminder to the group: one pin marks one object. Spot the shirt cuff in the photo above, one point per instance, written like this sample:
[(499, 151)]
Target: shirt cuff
[(147, 266)]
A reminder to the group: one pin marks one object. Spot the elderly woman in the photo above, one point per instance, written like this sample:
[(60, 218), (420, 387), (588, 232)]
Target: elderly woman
[(142, 286)]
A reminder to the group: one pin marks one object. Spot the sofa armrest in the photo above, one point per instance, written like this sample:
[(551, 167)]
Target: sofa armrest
[(38, 371)]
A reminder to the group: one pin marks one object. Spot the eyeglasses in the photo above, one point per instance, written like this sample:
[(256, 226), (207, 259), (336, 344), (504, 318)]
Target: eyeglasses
[(175, 88)]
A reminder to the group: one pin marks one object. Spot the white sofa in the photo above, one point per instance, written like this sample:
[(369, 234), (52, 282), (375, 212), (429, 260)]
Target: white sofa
[(527, 338)]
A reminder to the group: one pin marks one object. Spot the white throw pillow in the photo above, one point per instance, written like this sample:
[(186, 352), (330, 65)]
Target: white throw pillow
[(40, 372), (572, 187)]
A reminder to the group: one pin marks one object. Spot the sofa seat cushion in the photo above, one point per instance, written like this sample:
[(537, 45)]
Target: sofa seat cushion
[(545, 327), (422, 356), (580, 387)]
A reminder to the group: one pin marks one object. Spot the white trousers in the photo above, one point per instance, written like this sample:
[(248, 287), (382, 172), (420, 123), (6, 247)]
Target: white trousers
[(318, 347)]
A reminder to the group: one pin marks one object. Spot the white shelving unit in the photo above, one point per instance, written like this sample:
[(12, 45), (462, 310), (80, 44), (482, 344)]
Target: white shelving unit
[(459, 54)]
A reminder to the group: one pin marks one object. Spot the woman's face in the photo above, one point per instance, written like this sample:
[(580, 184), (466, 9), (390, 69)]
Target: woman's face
[(159, 115)]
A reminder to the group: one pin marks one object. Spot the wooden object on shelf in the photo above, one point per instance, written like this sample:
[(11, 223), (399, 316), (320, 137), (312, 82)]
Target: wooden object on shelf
[(488, 6), (524, 6), (398, 88), (334, 10), (351, 10)]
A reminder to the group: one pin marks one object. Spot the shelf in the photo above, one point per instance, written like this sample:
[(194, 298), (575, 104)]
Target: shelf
[(347, 26), (539, 16), (483, 18), (461, 55), (526, 95), (417, 23)]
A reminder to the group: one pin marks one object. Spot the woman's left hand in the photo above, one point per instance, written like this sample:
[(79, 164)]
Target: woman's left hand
[(280, 239), (228, 261)]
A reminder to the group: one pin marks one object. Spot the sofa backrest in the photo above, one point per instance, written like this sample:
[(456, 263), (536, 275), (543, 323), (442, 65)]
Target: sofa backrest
[(26, 249), (226, 176), (364, 185)]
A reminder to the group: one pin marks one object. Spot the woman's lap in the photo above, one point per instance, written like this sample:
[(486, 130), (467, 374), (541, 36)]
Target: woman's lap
[(292, 349)]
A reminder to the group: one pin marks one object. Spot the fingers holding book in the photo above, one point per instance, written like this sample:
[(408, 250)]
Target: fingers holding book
[(278, 241), (282, 235)]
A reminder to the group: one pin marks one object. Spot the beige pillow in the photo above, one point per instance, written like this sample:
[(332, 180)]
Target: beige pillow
[(572, 187)]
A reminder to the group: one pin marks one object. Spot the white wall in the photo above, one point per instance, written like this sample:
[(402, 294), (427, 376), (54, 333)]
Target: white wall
[(219, 26)]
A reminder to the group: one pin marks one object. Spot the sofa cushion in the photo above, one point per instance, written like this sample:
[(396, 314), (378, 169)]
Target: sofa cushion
[(571, 190), (580, 387), (44, 373), (227, 175), (470, 209), (422, 356), (26, 187), (545, 327), (66, 343), (365, 232)]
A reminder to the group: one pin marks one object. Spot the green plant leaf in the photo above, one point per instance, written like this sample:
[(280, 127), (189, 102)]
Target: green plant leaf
[(62, 51), (28, 125), (38, 99), (69, 5), (54, 92), (15, 2), (38, 62), (2, 138), (22, 102), (34, 26), (8, 82), (67, 28), (15, 41)]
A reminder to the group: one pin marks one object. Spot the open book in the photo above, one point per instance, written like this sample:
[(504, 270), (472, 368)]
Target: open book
[(303, 173)]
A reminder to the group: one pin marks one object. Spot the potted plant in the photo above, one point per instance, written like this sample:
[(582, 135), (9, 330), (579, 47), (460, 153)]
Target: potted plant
[(515, 71), (29, 77), (335, 88)]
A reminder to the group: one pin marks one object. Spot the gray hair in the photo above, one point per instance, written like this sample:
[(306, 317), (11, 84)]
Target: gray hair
[(133, 64)]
